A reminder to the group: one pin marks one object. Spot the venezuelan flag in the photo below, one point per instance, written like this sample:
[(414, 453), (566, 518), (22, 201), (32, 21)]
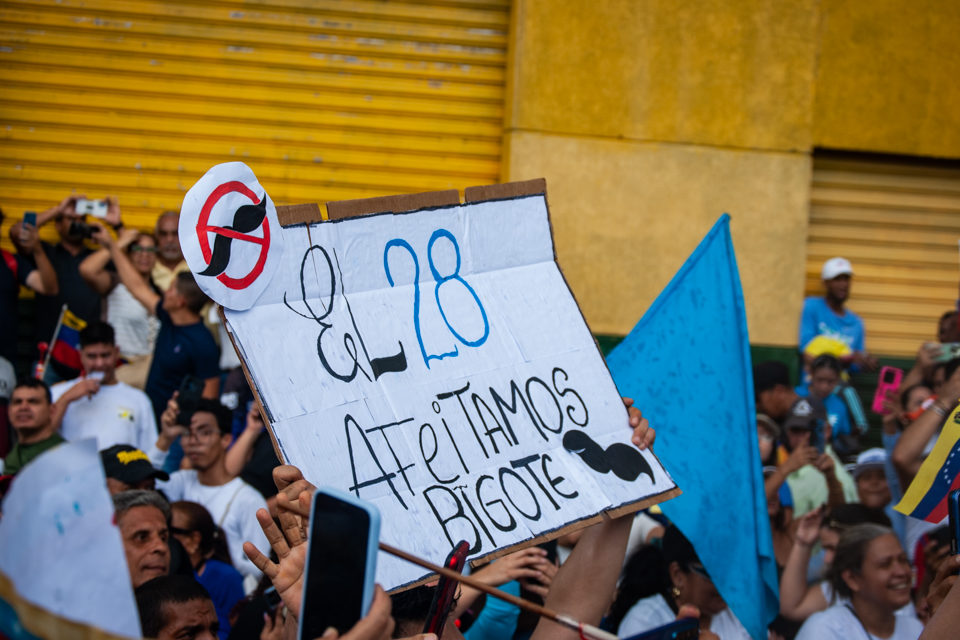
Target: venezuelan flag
[(66, 345), (926, 498)]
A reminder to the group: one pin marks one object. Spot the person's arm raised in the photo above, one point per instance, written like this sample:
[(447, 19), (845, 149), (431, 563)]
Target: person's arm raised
[(584, 586), (908, 454), (128, 274), (797, 600), (241, 450), (93, 271), (44, 279)]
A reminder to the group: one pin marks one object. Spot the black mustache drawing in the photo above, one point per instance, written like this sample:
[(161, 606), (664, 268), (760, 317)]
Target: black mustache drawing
[(626, 462), (246, 219)]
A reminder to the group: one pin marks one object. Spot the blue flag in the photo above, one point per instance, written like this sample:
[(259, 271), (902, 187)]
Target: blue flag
[(687, 366)]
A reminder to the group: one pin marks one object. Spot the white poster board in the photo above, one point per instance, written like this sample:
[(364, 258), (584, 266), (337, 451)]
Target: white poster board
[(59, 545), (435, 363)]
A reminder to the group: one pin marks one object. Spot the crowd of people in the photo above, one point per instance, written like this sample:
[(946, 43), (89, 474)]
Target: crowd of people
[(214, 546)]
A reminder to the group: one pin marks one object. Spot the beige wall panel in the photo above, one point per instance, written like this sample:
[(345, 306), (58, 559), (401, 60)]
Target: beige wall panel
[(736, 74), (887, 77), (626, 215)]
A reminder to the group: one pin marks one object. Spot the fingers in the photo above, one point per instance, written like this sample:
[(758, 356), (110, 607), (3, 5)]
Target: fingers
[(376, 625), (688, 611), (285, 475), (276, 538), (947, 567), (260, 561)]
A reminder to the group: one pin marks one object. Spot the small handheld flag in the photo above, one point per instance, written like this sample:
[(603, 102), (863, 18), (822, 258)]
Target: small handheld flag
[(926, 497)]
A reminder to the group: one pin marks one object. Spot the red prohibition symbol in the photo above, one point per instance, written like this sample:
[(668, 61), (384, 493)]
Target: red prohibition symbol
[(204, 229)]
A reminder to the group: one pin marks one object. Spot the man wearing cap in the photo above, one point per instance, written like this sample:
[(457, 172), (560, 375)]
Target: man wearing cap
[(128, 468), (97, 405), (823, 480), (873, 488), (826, 326)]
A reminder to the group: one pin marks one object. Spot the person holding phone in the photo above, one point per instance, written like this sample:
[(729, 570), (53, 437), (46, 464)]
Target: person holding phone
[(804, 426), (28, 267), (65, 256)]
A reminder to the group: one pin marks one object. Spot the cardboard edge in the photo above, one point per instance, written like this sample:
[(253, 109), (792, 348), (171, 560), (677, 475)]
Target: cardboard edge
[(253, 388), (571, 527), (45, 624), (294, 214), (341, 209), (505, 191)]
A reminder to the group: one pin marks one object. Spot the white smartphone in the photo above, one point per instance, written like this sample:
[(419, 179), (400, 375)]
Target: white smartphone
[(95, 208)]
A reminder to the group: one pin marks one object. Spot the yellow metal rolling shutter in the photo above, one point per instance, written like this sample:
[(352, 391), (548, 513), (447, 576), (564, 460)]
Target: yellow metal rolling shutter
[(898, 223), (324, 99)]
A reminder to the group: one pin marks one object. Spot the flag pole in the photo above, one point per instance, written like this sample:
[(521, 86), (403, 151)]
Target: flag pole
[(56, 332)]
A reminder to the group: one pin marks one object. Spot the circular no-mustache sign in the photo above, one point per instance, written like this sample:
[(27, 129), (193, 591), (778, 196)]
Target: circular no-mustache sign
[(230, 235)]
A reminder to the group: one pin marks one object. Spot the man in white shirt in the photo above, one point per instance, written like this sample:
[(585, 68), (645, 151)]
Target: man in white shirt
[(231, 502), (97, 405)]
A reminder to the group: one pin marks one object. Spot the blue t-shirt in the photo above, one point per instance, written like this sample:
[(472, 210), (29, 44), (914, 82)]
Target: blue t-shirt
[(819, 320), (225, 586), (836, 408), (180, 350)]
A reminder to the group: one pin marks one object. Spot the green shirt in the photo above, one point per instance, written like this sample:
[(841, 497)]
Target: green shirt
[(22, 454), (809, 487)]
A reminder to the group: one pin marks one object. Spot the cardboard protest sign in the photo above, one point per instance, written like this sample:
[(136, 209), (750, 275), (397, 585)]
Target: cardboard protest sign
[(62, 563), (433, 361)]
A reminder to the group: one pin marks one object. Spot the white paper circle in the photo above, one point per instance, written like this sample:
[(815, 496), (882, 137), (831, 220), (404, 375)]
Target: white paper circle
[(230, 235)]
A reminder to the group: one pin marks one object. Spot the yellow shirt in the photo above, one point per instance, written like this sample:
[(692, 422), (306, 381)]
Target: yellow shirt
[(163, 276)]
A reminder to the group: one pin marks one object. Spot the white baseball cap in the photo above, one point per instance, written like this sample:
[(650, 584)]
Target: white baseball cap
[(870, 459), (836, 267)]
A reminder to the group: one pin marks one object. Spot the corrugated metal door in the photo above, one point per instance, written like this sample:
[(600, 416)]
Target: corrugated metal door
[(898, 222), (325, 99)]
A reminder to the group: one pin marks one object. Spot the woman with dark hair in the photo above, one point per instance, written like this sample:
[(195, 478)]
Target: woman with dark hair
[(871, 575), (206, 546), (135, 326), (657, 582)]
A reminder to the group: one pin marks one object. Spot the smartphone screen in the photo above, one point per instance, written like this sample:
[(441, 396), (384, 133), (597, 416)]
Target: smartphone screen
[(30, 219), (338, 585)]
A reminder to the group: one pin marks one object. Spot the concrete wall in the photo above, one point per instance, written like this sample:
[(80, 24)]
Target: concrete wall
[(650, 119)]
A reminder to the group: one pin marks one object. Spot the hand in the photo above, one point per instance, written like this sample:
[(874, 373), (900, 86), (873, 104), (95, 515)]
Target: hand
[(68, 206), (541, 584), (934, 554), (100, 235), (799, 458), (927, 356), (808, 526), (376, 625), (519, 564), (290, 483), (272, 625), (127, 237), (254, 419), (25, 237), (950, 391), (643, 435), (824, 463), (290, 546), (942, 582), (113, 212), (86, 387), (865, 361)]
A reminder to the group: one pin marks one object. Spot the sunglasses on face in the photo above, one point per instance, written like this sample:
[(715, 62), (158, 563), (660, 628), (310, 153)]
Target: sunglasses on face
[(138, 249)]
